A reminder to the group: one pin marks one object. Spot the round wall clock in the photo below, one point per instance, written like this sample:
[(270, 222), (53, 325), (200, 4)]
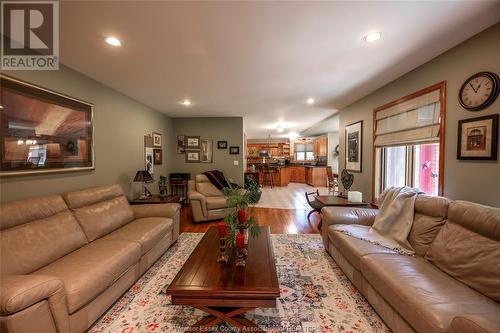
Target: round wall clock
[(479, 91)]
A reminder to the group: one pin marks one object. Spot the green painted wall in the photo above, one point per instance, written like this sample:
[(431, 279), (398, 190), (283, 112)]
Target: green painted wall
[(477, 181), (228, 129), (120, 124)]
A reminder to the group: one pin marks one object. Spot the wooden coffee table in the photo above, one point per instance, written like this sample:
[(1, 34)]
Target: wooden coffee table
[(225, 291)]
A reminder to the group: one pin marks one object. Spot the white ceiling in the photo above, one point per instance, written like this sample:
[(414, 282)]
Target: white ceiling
[(260, 60)]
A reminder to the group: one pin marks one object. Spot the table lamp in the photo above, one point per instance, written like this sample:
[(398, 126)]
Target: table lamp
[(144, 177)]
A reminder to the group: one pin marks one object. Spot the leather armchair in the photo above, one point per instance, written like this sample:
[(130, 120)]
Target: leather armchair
[(207, 202)]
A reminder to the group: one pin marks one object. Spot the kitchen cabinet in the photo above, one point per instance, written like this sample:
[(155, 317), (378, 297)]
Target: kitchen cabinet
[(316, 176), (309, 175), (320, 146), (280, 178), (276, 149), (297, 174)]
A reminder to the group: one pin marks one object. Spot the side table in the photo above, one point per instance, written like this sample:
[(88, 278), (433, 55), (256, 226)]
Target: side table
[(156, 199)]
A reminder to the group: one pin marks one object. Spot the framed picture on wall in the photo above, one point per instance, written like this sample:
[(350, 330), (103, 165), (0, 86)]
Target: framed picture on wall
[(43, 131), (149, 160), (206, 151), (181, 148), (353, 146), (221, 144), (478, 138), (158, 156), (192, 142), (234, 150), (156, 139), (192, 156)]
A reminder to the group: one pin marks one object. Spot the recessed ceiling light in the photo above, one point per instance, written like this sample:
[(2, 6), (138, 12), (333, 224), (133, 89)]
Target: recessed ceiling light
[(372, 36), (310, 100), (113, 41), (186, 102)]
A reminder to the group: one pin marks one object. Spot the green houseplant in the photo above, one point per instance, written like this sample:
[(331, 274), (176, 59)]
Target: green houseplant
[(253, 188), (237, 219)]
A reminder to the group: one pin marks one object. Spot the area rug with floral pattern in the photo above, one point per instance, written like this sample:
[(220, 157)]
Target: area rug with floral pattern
[(315, 295)]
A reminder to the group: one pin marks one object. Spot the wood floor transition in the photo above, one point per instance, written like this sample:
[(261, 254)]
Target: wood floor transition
[(281, 221)]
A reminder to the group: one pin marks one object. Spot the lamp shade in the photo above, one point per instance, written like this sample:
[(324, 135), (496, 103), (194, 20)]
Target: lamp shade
[(143, 176)]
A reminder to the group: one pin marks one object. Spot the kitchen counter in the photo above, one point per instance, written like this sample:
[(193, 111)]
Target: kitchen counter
[(313, 175), (279, 178)]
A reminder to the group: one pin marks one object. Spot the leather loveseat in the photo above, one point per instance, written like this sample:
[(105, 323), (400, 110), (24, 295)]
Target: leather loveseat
[(65, 259), (452, 284), (207, 201)]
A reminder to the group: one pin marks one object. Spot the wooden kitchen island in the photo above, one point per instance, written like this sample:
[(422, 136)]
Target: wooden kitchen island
[(280, 178), (311, 175)]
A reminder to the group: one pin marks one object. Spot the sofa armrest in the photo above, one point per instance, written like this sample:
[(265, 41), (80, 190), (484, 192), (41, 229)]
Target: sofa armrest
[(19, 292), (198, 203), (483, 323), (345, 215), (169, 210)]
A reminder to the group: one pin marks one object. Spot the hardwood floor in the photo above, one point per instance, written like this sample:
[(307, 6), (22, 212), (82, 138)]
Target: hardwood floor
[(281, 221)]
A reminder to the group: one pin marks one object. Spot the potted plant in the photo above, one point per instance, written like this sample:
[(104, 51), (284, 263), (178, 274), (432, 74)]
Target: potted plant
[(237, 220), (253, 188)]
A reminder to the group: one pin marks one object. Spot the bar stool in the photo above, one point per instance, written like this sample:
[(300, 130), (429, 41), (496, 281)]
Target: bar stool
[(268, 172)]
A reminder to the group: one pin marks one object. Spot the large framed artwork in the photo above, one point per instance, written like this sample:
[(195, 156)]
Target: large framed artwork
[(206, 151), (478, 138), (354, 145), (43, 131)]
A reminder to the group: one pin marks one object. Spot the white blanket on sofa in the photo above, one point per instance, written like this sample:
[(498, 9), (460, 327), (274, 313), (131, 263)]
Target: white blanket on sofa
[(393, 222)]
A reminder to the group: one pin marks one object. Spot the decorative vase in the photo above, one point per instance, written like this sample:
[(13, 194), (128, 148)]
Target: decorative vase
[(240, 246), (221, 230)]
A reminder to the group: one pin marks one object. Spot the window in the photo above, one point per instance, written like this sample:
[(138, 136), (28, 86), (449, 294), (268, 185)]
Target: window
[(414, 166), (304, 151), (408, 142)]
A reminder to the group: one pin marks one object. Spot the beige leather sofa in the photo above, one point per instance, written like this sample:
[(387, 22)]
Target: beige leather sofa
[(452, 284), (207, 201), (66, 258)]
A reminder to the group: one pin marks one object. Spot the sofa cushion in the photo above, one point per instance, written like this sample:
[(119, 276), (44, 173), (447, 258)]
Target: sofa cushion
[(468, 247), (352, 248), (91, 269), (208, 189), (430, 215), (146, 231), (32, 245), (216, 203), (90, 196), (426, 297), (22, 211), (102, 218)]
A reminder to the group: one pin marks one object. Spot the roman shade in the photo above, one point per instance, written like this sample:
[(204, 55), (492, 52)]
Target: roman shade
[(302, 147), (414, 121)]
